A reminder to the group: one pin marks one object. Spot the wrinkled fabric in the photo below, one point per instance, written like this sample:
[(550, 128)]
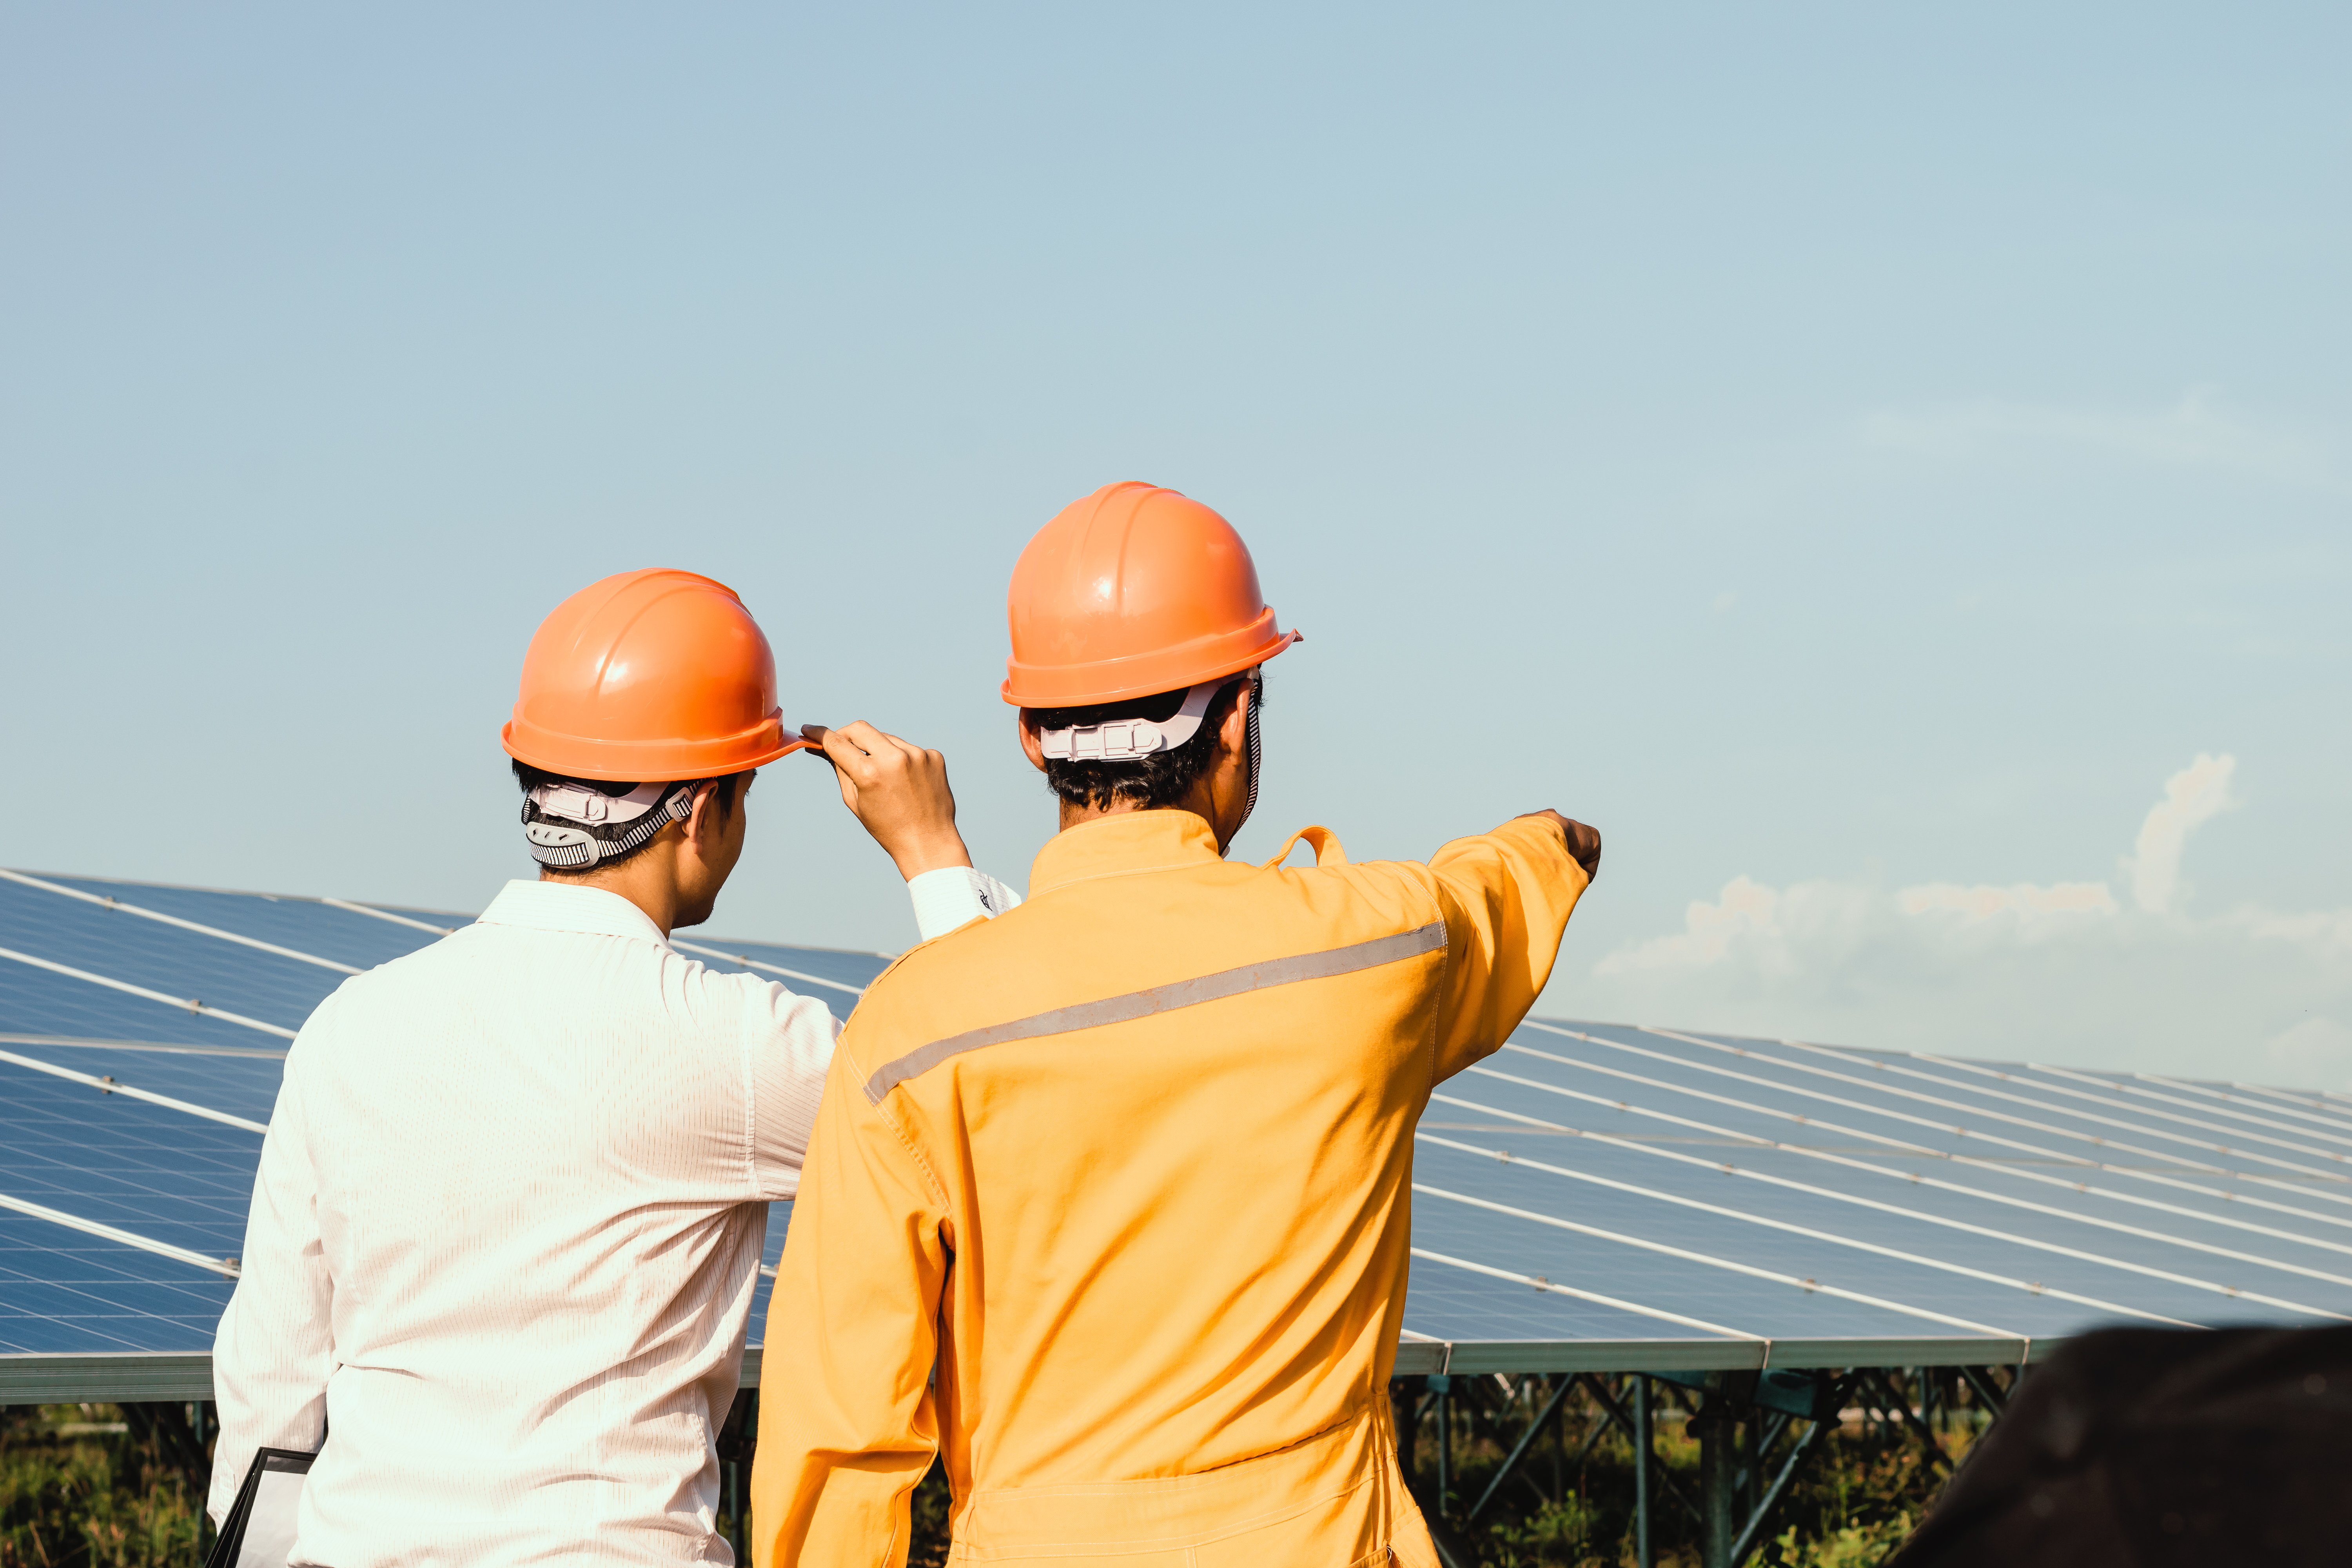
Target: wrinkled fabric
[(505, 1237), (1109, 1203)]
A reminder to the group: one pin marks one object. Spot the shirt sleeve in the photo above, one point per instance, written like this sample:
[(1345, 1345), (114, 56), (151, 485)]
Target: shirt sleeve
[(1507, 895), (956, 895), (788, 1046), (275, 1349), (847, 1418)]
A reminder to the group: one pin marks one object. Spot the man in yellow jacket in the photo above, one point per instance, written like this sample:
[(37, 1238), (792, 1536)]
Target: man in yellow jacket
[(1109, 1198)]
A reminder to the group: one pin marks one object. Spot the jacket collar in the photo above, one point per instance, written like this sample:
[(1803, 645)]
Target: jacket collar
[(568, 907), (1122, 845)]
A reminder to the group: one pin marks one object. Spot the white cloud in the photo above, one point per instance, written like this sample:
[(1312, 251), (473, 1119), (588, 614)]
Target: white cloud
[(2193, 797), (2021, 898), (2063, 971), (2315, 1051), (1708, 931), (2326, 932)]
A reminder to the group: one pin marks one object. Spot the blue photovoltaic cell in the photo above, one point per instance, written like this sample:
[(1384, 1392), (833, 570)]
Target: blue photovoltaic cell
[(179, 964), (305, 925), (64, 1293), (1931, 1189), (156, 1171), (1444, 1302), (38, 1002), (241, 1084), (845, 968), (1765, 1094), (163, 1174), (1848, 1183), (1691, 1287), (780, 1219), (2305, 1263)]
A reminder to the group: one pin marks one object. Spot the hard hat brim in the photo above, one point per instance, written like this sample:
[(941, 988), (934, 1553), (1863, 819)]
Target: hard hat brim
[(635, 761), (1144, 675)]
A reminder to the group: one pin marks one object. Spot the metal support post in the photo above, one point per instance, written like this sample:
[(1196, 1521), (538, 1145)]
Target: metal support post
[(1520, 1452), (1442, 1386), (1592, 1435), (1717, 1478), (1779, 1486), (1899, 1407), (1986, 1392), (1663, 1481), (1751, 1458), (1408, 1418), (1644, 1554)]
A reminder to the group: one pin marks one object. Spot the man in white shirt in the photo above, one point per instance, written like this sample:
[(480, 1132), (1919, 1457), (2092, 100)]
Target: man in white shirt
[(507, 1228)]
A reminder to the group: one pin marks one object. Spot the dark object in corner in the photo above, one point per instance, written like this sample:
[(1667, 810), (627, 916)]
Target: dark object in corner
[(2162, 1448), (260, 1530)]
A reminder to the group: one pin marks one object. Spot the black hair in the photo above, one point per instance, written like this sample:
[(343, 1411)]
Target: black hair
[(730, 786), (1160, 778)]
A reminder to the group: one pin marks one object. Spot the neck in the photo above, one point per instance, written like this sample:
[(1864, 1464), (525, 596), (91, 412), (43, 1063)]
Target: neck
[(643, 884), (1197, 800), (1073, 813)]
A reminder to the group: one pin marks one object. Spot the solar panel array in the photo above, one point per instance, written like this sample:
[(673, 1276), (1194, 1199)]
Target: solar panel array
[(142, 1034), (1666, 1199), (1593, 1198)]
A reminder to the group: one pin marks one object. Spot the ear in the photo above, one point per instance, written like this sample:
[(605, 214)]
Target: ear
[(1030, 746), (1232, 735), (702, 824)]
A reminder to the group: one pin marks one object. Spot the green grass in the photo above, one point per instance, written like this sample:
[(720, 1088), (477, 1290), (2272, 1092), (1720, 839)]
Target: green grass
[(93, 1500)]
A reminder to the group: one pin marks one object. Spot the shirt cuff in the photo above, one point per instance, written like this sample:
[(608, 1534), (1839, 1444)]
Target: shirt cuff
[(956, 895)]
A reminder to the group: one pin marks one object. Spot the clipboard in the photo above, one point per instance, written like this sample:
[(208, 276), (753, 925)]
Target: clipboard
[(260, 1530)]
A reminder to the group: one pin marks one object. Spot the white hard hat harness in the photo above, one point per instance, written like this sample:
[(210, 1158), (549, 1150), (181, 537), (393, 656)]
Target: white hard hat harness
[(1132, 740), (572, 825)]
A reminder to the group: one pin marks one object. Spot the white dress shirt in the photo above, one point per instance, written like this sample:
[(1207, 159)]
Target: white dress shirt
[(506, 1234)]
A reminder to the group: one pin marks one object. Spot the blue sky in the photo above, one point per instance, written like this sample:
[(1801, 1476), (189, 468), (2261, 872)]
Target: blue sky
[(1859, 457)]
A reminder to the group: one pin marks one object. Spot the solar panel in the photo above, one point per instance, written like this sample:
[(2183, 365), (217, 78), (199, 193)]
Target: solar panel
[(1592, 1197), (142, 1034)]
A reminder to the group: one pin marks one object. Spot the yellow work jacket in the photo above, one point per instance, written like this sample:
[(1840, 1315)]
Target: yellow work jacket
[(1109, 1199)]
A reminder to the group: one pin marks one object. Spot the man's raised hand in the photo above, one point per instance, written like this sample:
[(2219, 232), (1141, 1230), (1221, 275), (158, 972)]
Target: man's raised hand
[(1583, 842), (899, 791)]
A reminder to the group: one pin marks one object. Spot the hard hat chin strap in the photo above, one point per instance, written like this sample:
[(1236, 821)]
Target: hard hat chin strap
[(1257, 683), (573, 826), (1128, 739)]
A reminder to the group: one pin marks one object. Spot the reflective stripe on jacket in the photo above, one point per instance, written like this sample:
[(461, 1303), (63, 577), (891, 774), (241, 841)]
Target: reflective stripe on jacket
[(1131, 1166)]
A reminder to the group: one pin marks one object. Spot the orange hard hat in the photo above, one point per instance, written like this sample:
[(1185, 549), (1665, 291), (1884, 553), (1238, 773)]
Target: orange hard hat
[(647, 676), (1133, 591)]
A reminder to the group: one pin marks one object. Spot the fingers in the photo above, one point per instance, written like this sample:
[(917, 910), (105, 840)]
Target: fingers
[(1584, 845), (872, 762), (898, 790), (819, 747), (834, 751)]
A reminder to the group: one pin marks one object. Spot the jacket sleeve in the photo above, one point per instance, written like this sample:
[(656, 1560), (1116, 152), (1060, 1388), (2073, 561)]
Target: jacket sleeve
[(275, 1349), (1507, 895), (847, 1421)]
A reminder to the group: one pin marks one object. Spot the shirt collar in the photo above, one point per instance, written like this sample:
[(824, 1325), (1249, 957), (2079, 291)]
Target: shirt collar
[(1122, 845), (568, 907)]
